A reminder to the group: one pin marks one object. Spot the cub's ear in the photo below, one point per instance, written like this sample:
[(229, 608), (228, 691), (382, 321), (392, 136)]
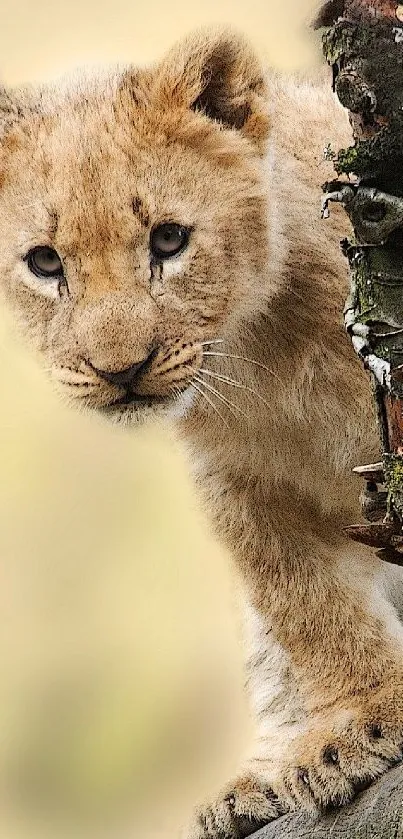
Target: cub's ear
[(218, 73)]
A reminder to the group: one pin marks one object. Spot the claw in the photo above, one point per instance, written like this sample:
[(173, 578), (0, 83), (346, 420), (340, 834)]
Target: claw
[(303, 776), (331, 756)]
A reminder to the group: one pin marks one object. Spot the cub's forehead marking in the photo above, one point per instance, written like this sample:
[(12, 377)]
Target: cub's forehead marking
[(54, 221), (140, 210)]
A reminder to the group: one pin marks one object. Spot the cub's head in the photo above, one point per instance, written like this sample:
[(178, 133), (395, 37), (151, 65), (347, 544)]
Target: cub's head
[(132, 220)]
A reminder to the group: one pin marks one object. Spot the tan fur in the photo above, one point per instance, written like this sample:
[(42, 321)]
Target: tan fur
[(205, 141)]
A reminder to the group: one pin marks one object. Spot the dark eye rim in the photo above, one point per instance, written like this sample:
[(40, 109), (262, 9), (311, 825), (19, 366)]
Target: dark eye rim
[(29, 258), (162, 256)]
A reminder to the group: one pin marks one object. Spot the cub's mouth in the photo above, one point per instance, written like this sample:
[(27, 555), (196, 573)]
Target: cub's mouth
[(160, 380), (133, 407), (132, 401), (163, 381)]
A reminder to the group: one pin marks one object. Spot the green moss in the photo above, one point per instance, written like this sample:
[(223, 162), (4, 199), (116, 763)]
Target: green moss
[(393, 466), (374, 156), (395, 474), (346, 160), (366, 302), (383, 351), (360, 159), (337, 42)]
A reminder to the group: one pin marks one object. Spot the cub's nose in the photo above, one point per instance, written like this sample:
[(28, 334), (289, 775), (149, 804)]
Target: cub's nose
[(126, 377)]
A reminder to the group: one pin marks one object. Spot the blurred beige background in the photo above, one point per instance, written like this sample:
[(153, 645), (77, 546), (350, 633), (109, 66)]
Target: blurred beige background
[(119, 640)]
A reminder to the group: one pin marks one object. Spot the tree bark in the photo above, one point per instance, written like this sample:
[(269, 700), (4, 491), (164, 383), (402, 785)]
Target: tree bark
[(376, 813), (364, 46)]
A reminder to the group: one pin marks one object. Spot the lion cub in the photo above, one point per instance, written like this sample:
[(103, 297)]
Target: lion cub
[(161, 246)]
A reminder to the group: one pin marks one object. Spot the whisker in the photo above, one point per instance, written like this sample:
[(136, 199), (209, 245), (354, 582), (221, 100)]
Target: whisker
[(216, 341), (176, 392), (174, 389), (243, 358), (222, 398), (210, 402), (222, 378)]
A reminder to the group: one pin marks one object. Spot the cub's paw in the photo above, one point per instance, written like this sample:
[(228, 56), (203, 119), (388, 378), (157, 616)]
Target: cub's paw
[(244, 807), (335, 761)]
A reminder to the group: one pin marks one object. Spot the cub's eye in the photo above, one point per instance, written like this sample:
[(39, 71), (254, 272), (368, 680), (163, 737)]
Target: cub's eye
[(168, 240), (44, 262)]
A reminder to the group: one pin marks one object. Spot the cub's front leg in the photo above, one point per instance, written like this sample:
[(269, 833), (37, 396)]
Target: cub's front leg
[(349, 746), (340, 754), (325, 673)]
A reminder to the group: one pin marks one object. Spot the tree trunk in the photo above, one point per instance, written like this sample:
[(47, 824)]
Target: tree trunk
[(364, 46), (375, 814)]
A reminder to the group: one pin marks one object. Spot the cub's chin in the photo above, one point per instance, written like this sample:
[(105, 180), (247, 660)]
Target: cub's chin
[(137, 410)]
